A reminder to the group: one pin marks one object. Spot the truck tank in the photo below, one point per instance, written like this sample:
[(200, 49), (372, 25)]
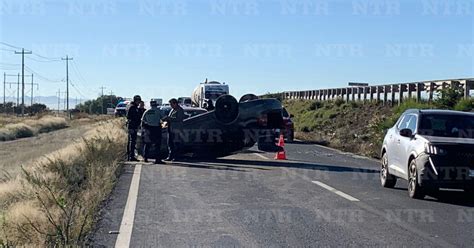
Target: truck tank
[(197, 93)]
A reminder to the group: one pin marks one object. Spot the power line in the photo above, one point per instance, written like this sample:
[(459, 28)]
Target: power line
[(8, 69), (81, 78), (12, 46), (43, 61), (48, 58), (43, 77), (8, 50), (77, 90), (76, 70)]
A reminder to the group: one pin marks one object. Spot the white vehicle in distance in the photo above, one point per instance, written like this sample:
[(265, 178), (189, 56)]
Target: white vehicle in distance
[(184, 101)]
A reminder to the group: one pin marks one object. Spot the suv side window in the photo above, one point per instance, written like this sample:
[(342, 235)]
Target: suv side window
[(409, 121), (412, 123), (403, 123)]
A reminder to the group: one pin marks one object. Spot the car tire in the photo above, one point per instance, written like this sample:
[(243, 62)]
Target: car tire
[(414, 189), (227, 109), (387, 180)]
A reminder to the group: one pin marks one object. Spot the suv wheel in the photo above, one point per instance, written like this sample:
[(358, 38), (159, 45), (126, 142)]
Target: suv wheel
[(387, 180), (414, 189)]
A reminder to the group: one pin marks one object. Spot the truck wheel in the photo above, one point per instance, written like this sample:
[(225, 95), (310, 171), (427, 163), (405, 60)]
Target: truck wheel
[(227, 109), (414, 189), (387, 180)]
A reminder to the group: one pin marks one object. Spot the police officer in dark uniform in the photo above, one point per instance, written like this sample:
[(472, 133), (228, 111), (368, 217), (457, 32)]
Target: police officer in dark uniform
[(175, 126), (133, 123), (141, 108)]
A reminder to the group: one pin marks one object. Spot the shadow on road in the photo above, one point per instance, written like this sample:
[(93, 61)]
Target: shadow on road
[(458, 198), (446, 197), (246, 164), (303, 142)]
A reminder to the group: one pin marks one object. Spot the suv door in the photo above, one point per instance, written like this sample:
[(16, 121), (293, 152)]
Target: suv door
[(396, 144), (405, 143), (392, 145)]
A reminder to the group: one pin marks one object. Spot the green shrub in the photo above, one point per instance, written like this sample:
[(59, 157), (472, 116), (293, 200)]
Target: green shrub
[(465, 105), (449, 97), (316, 105), (332, 115), (339, 101), (305, 129), (354, 104), (411, 104)]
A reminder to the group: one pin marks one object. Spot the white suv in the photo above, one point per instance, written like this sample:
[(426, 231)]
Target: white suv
[(430, 149)]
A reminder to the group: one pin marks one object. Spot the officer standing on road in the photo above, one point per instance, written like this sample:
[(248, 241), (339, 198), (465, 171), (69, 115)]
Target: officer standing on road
[(151, 124), (141, 108), (133, 123), (175, 126)]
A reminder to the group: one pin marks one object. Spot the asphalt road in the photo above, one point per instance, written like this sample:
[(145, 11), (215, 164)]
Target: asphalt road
[(319, 197)]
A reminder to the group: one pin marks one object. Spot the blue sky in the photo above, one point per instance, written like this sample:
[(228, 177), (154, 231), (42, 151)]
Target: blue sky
[(164, 48)]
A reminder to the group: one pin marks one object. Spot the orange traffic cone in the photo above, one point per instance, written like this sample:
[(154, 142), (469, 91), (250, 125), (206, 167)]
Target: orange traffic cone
[(281, 143)]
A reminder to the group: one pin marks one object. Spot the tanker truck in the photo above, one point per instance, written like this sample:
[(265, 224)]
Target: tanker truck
[(207, 93)]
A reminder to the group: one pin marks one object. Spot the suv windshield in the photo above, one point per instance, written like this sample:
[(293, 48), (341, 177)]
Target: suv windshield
[(447, 125)]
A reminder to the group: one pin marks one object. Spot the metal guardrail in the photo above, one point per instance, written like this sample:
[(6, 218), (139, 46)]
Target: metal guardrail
[(387, 93)]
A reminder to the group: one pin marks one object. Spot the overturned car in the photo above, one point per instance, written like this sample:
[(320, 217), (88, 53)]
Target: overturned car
[(230, 128)]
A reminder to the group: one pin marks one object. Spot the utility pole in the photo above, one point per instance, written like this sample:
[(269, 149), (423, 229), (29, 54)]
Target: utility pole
[(18, 92), (23, 79), (67, 83), (111, 100), (59, 98), (4, 90), (102, 99), (32, 90), (5, 82)]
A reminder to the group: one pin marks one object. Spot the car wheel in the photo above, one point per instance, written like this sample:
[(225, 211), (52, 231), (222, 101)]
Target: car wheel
[(227, 109), (387, 180), (414, 189)]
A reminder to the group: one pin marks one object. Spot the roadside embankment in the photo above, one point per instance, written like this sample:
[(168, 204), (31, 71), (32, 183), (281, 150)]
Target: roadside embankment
[(31, 127), (54, 200)]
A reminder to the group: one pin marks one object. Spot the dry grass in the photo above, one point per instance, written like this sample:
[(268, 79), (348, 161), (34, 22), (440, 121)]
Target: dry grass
[(54, 200), (9, 119), (31, 127)]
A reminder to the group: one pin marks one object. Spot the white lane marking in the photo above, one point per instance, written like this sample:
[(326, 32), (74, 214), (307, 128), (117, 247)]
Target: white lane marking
[(126, 226), (261, 156), (335, 191)]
